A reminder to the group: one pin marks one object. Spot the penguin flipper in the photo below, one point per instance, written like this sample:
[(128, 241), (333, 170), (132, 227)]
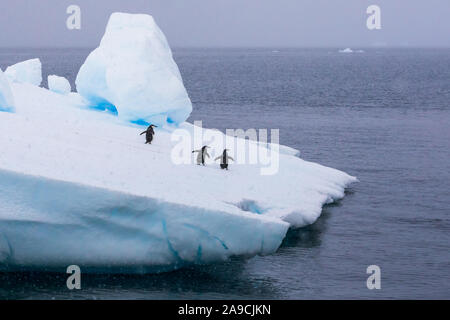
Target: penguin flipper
[(143, 133)]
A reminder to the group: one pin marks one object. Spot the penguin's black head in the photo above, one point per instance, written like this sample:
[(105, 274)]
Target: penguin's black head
[(152, 125)]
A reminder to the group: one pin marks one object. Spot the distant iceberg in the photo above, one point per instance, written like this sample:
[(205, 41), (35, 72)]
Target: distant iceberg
[(86, 190), (29, 71), (346, 50), (133, 74), (6, 97), (58, 84), (349, 50)]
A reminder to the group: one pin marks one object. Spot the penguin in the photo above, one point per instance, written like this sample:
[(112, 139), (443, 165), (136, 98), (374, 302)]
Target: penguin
[(149, 133), (201, 155), (224, 159)]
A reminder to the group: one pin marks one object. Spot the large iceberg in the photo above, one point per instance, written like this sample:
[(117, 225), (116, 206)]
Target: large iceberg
[(58, 84), (100, 198), (29, 71), (133, 73), (86, 190), (6, 97)]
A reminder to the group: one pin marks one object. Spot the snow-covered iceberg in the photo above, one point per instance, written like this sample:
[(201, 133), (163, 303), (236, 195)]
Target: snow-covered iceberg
[(133, 73), (86, 190), (81, 187), (29, 71), (6, 97), (58, 84)]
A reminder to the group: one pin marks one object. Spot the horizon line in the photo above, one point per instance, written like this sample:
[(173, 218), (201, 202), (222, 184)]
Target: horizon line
[(253, 47)]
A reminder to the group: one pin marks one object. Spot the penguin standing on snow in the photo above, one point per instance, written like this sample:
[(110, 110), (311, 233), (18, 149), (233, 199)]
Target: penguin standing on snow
[(224, 159), (201, 155), (149, 133)]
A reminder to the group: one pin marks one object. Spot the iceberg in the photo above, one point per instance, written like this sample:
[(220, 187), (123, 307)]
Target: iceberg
[(6, 97), (349, 50), (132, 73), (100, 198), (86, 190), (29, 71), (58, 84)]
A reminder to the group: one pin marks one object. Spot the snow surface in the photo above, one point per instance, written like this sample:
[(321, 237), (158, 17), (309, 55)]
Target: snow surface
[(29, 71), (59, 84), (6, 97), (133, 73)]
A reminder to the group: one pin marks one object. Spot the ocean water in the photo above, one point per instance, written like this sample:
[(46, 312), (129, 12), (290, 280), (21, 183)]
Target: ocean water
[(382, 115)]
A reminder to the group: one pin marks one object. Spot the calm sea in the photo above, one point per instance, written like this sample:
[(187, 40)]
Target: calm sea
[(382, 115)]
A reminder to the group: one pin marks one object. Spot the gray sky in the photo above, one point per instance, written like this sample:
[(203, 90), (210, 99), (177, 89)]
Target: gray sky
[(239, 23)]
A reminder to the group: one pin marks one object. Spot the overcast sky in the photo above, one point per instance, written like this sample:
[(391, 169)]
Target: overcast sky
[(234, 23)]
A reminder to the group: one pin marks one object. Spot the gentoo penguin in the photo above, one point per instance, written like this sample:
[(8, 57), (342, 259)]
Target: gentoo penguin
[(149, 133), (201, 155), (224, 159)]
